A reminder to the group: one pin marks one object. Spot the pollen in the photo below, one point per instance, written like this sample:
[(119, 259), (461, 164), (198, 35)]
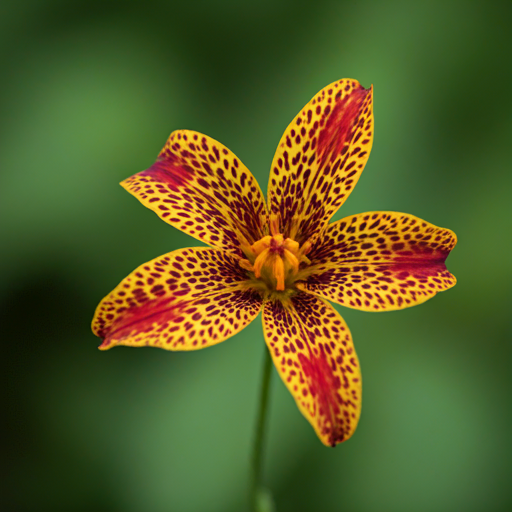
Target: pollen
[(275, 260)]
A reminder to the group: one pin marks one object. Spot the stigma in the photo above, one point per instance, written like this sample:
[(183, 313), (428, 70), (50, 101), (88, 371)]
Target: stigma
[(275, 260)]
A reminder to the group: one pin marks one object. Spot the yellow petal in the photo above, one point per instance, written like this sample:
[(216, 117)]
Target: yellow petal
[(184, 300), (380, 261), (313, 352), (320, 158), (199, 186)]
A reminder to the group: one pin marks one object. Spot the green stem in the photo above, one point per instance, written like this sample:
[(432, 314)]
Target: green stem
[(260, 498)]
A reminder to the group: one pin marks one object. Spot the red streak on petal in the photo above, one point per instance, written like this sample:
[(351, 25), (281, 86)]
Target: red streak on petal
[(142, 319), (323, 385), (339, 125), (422, 264), (170, 170)]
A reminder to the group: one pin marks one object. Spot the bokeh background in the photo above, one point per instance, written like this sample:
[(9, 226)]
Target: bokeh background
[(90, 91)]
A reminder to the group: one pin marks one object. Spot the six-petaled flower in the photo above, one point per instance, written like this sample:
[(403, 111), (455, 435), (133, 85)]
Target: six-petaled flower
[(282, 257)]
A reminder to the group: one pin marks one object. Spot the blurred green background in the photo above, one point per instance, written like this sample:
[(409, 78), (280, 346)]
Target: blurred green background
[(89, 94)]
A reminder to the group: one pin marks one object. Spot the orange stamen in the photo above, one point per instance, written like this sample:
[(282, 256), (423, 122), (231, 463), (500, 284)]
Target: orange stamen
[(292, 260), (260, 260), (291, 245), (278, 271), (261, 245), (274, 224), (246, 264), (294, 226)]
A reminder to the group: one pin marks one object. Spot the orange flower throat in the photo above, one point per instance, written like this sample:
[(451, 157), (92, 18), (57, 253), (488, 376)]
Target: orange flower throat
[(275, 260)]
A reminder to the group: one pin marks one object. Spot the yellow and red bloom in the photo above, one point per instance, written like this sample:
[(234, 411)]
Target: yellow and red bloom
[(281, 256)]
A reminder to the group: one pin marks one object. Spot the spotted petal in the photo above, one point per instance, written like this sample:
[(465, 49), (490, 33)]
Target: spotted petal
[(313, 352), (184, 300), (320, 158), (199, 186), (380, 261)]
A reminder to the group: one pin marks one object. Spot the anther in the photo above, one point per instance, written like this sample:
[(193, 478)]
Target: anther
[(246, 264), (306, 247), (260, 260), (292, 260), (278, 270), (261, 245)]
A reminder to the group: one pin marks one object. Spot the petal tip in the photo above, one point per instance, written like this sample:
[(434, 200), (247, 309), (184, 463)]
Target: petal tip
[(106, 345)]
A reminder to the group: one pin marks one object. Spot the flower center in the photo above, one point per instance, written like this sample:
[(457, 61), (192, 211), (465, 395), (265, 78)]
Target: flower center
[(275, 260)]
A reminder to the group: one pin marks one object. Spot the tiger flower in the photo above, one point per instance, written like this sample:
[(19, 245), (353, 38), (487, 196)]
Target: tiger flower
[(281, 257)]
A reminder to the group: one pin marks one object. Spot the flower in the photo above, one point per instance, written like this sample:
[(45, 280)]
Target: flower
[(285, 259)]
